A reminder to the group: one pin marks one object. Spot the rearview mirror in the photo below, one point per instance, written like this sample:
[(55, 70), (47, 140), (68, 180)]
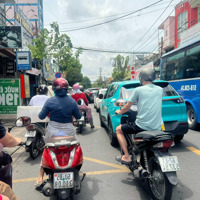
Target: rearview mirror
[(101, 96), (80, 102), (23, 121)]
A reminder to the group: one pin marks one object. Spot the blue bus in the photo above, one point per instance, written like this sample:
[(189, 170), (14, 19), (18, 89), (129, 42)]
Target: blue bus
[(181, 67)]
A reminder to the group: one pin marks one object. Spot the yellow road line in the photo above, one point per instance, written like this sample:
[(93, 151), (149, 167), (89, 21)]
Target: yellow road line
[(104, 163), (194, 150), (120, 169)]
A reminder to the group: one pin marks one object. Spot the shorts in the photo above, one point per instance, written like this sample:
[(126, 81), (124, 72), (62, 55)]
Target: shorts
[(131, 128)]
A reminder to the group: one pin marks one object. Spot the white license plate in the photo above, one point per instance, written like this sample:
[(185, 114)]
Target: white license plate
[(30, 134), (169, 163), (63, 180)]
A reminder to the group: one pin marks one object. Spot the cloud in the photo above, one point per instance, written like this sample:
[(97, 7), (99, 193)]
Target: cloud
[(124, 34)]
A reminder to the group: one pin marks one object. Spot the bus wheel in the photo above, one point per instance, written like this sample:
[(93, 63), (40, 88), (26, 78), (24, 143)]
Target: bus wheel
[(192, 120)]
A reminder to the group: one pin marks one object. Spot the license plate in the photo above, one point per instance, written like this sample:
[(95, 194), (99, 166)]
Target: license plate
[(30, 134), (169, 163), (63, 180)]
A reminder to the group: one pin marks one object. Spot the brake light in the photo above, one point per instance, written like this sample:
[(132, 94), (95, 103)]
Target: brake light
[(30, 127), (62, 154), (90, 93), (164, 144)]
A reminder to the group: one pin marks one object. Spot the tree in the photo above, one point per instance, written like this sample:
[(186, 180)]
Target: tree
[(52, 44), (73, 75), (120, 70), (86, 82)]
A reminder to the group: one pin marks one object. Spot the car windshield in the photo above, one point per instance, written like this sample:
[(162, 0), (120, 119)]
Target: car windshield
[(102, 91)]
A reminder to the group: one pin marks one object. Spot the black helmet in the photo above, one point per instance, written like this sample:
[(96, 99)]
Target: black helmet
[(147, 74), (43, 89)]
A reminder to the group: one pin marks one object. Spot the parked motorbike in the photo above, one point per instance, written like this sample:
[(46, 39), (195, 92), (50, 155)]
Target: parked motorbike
[(62, 160), (35, 138), (152, 160)]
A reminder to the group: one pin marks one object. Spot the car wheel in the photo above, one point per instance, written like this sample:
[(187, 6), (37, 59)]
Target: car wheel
[(100, 119), (192, 120), (178, 138), (113, 139)]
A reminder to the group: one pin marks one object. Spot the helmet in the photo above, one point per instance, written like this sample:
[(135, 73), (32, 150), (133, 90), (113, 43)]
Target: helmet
[(147, 74), (76, 86), (42, 89), (81, 88), (60, 83)]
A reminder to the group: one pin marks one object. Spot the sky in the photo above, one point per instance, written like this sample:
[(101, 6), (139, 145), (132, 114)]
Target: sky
[(114, 25)]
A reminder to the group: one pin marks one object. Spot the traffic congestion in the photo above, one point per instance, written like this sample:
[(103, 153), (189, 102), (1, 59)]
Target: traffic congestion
[(99, 100)]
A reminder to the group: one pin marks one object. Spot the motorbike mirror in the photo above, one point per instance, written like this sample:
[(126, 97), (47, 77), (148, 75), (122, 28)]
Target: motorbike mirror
[(23, 121), (80, 102), (101, 96), (120, 102)]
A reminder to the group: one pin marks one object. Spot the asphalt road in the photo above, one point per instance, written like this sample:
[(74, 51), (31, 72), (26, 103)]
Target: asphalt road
[(105, 178)]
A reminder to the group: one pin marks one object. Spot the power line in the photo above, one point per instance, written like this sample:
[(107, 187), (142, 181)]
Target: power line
[(86, 20), (102, 23), (152, 25), (109, 51)]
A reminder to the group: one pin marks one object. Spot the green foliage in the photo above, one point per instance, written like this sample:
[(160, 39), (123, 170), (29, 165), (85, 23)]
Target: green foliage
[(52, 44), (99, 83), (73, 75), (120, 69), (86, 83)]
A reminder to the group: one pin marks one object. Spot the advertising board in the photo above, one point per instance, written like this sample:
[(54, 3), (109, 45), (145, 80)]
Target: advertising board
[(11, 37), (9, 96)]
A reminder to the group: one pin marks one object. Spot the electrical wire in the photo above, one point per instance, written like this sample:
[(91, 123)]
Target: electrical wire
[(86, 20), (152, 26), (102, 23)]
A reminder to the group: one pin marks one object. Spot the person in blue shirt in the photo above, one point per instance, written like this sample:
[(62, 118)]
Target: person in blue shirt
[(61, 109), (149, 111)]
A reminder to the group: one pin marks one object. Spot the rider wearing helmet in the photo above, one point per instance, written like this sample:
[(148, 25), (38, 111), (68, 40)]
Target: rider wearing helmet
[(39, 100), (78, 94), (61, 108), (149, 107)]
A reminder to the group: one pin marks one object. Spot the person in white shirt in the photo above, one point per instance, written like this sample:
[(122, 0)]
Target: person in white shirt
[(39, 100)]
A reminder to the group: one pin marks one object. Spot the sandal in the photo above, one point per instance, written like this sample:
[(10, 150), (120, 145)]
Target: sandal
[(119, 159)]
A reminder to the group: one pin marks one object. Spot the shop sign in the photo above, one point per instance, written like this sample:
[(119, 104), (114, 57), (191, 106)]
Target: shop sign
[(23, 59), (10, 68), (9, 96)]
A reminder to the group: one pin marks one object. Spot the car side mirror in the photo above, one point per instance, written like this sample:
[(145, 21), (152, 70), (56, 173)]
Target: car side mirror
[(101, 96), (23, 121)]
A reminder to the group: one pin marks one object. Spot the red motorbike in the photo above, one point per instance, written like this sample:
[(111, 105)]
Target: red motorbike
[(62, 160)]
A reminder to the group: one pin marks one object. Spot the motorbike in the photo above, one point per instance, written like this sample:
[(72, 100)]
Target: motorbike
[(152, 161), (81, 123), (35, 138), (62, 160), (6, 163)]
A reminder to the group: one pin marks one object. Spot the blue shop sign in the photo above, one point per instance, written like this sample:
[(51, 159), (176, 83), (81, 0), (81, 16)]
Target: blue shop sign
[(23, 60)]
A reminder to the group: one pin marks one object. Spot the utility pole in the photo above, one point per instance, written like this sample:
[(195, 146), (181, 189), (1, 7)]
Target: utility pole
[(100, 73)]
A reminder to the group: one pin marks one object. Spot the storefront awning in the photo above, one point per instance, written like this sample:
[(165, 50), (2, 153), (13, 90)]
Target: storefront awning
[(7, 53)]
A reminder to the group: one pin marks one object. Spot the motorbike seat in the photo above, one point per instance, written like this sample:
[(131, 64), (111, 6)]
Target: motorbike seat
[(152, 135), (62, 141)]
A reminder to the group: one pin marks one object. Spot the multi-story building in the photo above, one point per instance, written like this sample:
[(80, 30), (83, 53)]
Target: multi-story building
[(187, 16)]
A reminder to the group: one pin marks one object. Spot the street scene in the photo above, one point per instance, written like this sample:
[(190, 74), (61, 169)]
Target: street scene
[(99, 99)]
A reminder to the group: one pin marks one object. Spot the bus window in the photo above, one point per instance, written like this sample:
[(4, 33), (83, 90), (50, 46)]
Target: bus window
[(192, 68), (174, 68)]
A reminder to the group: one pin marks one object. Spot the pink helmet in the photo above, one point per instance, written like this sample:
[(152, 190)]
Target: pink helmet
[(76, 86)]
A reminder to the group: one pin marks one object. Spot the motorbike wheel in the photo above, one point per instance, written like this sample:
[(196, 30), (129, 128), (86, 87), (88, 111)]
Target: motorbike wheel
[(33, 149), (113, 140), (159, 186), (80, 128)]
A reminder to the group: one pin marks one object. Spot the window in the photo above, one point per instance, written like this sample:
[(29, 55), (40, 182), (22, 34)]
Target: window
[(182, 22)]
